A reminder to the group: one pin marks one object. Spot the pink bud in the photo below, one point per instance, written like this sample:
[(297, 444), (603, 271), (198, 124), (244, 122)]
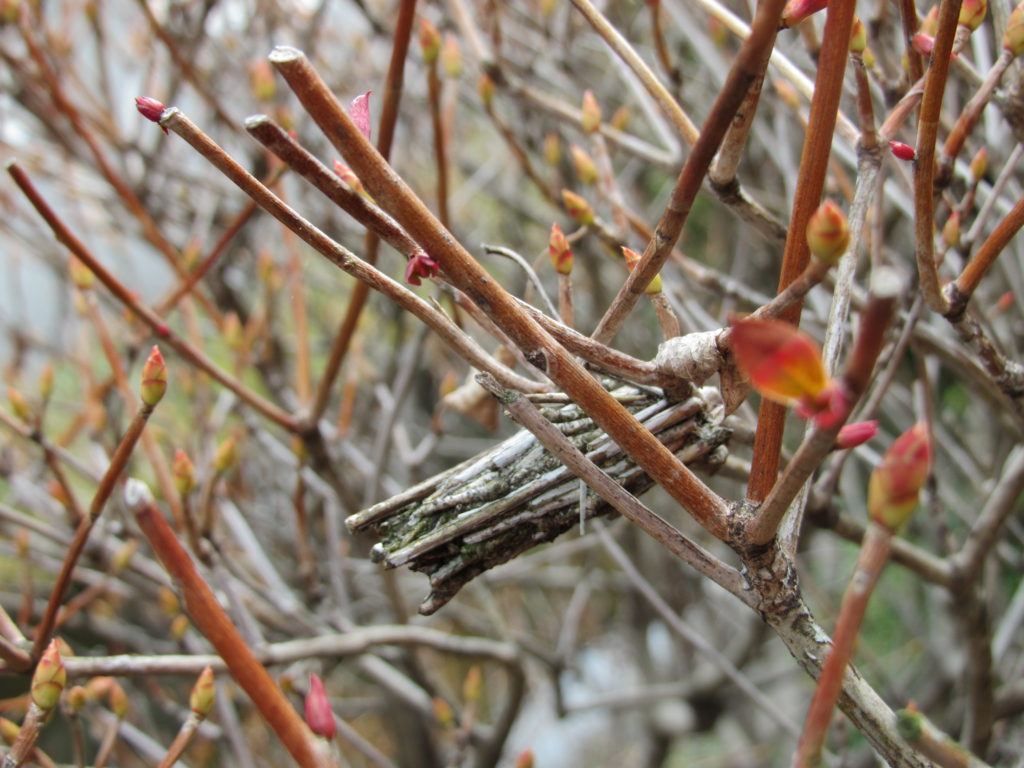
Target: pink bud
[(902, 151), (359, 111), (858, 433), (923, 43), (319, 716), (149, 108), (798, 10)]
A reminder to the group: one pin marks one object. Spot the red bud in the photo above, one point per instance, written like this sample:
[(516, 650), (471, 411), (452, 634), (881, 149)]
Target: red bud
[(858, 433), (149, 108), (902, 151)]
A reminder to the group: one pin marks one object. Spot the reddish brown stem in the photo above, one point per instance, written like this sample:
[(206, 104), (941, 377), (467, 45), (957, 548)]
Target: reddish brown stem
[(924, 164), (985, 257), (874, 553), (213, 622), (910, 22), (810, 183), (971, 114)]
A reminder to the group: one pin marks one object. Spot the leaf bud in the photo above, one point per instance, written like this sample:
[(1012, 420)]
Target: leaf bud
[(897, 481), (902, 151), (857, 433), (972, 13), (1013, 37), (485, 87), (359, 111), (979, 164), (319, 716), (200, 700), (46, 381), (149, 108), (183, 472), (858, 37), (225, 456), (154, 378), (552, 149), (451, 57), (577, 207), (443, 713), (632, 259), (49, 679), (118, 700), (590, 116), (586, 170), (560, 251), (798, 10), (430, 40), (951, 230), (81, 275), (828, 234), (19, 404), (472, 686)]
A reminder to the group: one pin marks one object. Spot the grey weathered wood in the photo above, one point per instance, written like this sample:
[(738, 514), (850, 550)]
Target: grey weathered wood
[(515, 496)]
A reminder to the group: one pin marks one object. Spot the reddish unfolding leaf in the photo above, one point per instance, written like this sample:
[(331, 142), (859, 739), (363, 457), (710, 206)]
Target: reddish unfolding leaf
[(420, 265), (782, 362), (359, 111)]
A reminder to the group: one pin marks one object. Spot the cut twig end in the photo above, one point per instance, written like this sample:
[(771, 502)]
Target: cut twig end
[(255, 121), (137, 494), (886, 282), (283, 54)]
